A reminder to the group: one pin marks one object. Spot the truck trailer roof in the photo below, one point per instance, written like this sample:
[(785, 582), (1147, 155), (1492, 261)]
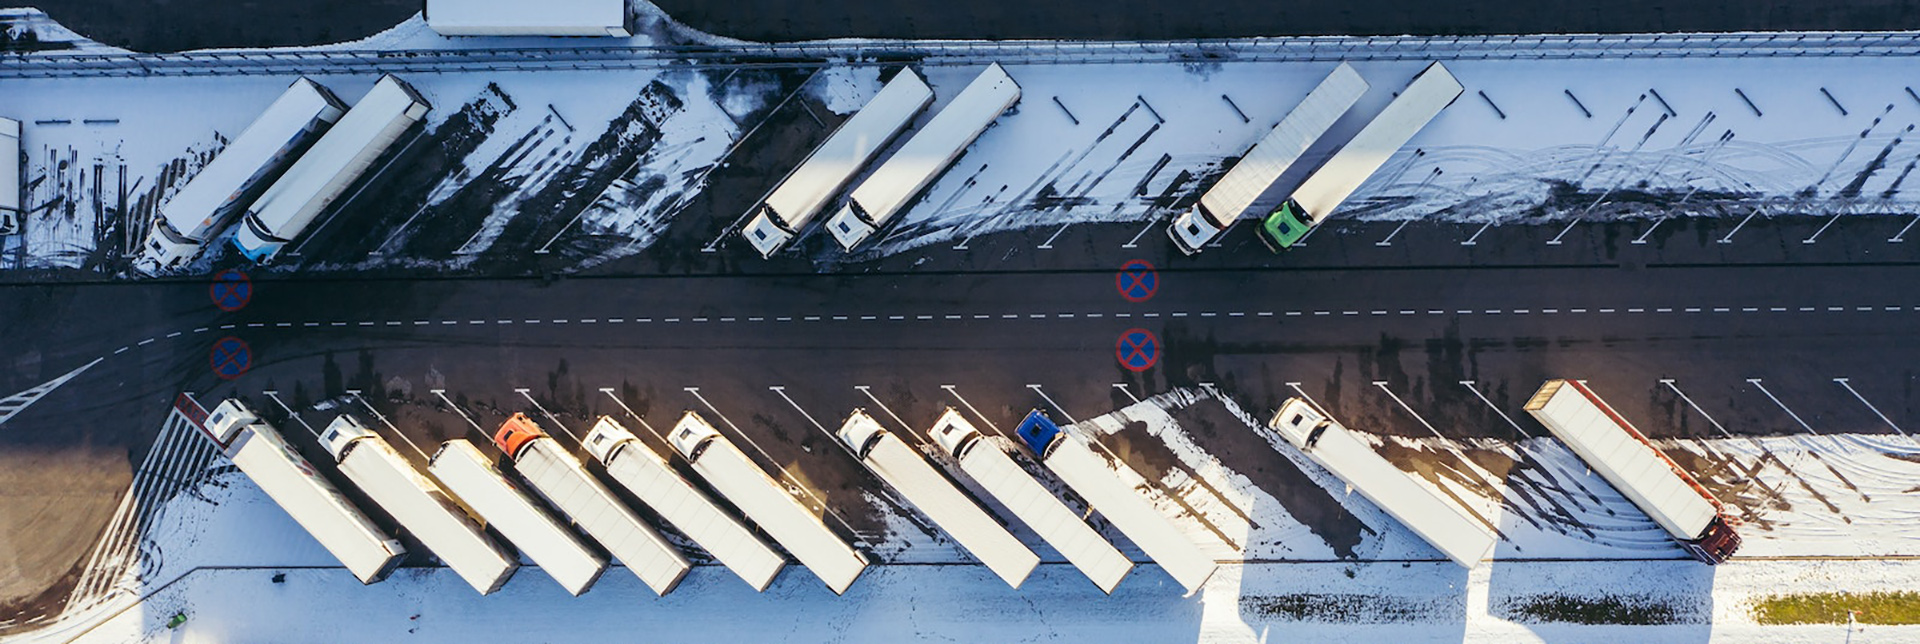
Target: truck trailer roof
[(905, 469), (806, 191), (645, 473), (559, 552), (1622, 455), (302, 112), (1230, 198), (522, 18), (1003, 479), (1422, 100), (1441, 522)]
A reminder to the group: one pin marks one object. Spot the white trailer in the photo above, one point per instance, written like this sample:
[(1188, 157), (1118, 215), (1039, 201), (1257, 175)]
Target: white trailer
[(1437, 519), (1120, 496), (805, 191), (418, 504), (767, 503), (560, 479), (1006, 482), (10, 183), (604, 18), (1230, 198), (259, 451), (907, 470), (1422, 100), (473, 478), (924, 157), (641, 470), (328, 168), (207, 204), (1644, 474)]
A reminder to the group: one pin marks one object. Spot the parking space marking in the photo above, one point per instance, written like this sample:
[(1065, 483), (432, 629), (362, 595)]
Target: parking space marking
[(1863, 400), (1696, 407), (1496, 409), (1382, 384), (1043, 396), (1783, 406)]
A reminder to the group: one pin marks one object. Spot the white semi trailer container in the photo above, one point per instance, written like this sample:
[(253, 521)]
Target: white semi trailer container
[(924, 157), (907, 470), (1445, 525), (767, 503), (1045, 514), (264, 456), (1644, 474), (208, 202), (605, 18), (643, 472), (565, 484), (327, 169), (1118, 496), (418, 504), (1422, 100), (1230, 198), (10, 183), (472, 477), (805, 191)]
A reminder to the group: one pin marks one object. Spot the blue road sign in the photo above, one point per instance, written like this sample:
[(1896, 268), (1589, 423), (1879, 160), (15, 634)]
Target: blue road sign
[(1137, 280), (231, 290), (1137, 349), (230, 358)]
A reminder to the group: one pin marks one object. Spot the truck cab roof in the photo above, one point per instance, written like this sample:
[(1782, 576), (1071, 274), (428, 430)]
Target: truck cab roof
[(953, 432), (859, 432), (606, 438), (1285, 225), (516, 433), (691, 433), (342, 433), (228, 418), (1038, 431)]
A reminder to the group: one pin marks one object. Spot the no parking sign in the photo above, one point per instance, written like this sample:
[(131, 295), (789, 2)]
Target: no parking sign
[(1137, 349)]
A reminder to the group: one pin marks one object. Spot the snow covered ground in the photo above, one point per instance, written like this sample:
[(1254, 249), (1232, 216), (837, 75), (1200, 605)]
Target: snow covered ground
[(1811, 509), (1531, 141)]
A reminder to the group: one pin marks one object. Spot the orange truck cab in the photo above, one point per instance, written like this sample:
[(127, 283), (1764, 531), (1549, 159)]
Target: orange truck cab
[(516, 432)]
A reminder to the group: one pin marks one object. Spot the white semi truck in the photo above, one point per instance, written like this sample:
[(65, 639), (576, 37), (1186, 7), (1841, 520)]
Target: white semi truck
[(474, 478), (892, 187), (907, 470), (1045, 514), (1445, 525), (767, 503), (1644, 474), (10, 182), (327, 169), (1422, 100), (418, 504), (264, 456), (643, 472), (806, 191), (207, 204), (1119, 496), (566, 484), (1230, 198)]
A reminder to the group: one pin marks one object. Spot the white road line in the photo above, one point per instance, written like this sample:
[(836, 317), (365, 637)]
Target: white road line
[(175, 334), (1876, 410), (616, 320), (1043, 396), (1123, 389), (1496, 409), (1266, 314), (1293, 314), (119, 351), (204, 329), (145, 342), (813, 318), (1783, 406), (1382, 384)]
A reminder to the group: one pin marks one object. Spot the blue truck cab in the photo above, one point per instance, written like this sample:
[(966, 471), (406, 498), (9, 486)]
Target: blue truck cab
[(1038, 431)]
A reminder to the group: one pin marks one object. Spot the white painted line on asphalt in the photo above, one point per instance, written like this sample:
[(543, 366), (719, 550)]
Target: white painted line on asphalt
[(812, 318), (1378, 312), (1349, 312), (1382, 384), (1123, 389), (1606, 310), (175, 334), (449, 322), (1463, 312), (1729, 238), (1436, 312), (275, 395), (1663, 310), (1902, 235), (145, 342), (1749, 309), (255, 325), (1696, 408), (1628, 310), (589, 320), (756, 319), (923, 317), (839, 318), (1783, 406), (1293, 314), (1095, 315), (896, 317), (701, 319), (1049, 399), (642, 320), (1179, 314), (1303, 396), (204, 329), (953, 316), (1581, 311), (422, 322), (560, 321), (983, 417), (1876, 410), (1266, 314), (283, 325), (978, 316), (1231, 314), (393, 323), (1549, 311), (1496, 409), (442, 393), (616, 320), (1720, 309), (1693, 309), (676, 320), (1149, 315), (119, 351)]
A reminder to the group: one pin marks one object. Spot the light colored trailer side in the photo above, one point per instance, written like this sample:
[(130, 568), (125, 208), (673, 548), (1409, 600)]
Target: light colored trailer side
[(767, 503), (1230, 198), (642, 471), (472, 477), (313, 502), (522, 18), (1119, 494), (208, 202), (924, 157), (418, 504), (560, 479), (1645, 475), (1437, 519), (1006, 482), (907, 470), (9, 171), (1423, 99), (328, 168), (806, 191)]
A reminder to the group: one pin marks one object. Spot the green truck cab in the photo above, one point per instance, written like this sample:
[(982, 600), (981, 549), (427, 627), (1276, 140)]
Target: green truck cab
[(1285, 225)]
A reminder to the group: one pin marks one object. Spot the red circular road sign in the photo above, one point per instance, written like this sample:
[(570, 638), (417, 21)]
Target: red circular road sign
[(1137, 280), (231, 290), (1137, 349), (230, 358)]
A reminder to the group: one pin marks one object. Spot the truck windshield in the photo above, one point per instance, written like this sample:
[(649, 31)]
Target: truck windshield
[(1286, 225)]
